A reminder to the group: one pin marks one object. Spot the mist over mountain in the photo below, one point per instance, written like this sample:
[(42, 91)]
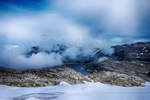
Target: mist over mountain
[(78, 27)]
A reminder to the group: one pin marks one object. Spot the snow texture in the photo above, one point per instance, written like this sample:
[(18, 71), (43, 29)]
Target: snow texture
[(65, 91)]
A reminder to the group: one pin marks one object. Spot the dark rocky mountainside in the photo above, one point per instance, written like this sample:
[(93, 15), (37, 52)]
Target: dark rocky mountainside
[(128, 59), (137, 68), (128, 66), (129, 70), (136, 51), (61, 49)]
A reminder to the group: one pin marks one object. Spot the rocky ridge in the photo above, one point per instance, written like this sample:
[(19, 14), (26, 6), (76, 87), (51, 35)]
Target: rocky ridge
[(42, 77), (115, 78), (129, 62), (53, 76), (128, 66), (135, 51)]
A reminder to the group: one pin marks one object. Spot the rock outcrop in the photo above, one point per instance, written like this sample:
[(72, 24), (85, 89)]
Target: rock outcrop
[(136, 51), (115, 78), (61, 50), (43, 77), (135, 68), (53, 76), (129, 66)]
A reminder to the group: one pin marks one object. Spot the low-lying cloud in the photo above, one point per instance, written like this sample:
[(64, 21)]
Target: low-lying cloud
[(80, 26), (45, 30), (12, 57)]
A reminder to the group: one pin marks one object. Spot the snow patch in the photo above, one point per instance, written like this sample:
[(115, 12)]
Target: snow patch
[(87, 91)]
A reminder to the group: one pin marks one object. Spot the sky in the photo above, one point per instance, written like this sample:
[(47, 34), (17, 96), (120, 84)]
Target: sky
[(119, 21), (85, 24)]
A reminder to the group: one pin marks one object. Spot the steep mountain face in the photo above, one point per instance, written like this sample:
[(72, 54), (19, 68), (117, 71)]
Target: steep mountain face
[(129, 59), (42, 77), (128, 66), (136, 51), (61, 50), (55, 49), (136, 68)]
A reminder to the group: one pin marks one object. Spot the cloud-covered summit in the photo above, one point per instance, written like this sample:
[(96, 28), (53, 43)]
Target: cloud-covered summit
[(46, 31), (86, 24)]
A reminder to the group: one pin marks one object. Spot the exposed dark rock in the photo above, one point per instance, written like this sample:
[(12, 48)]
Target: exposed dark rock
[(60, 49), (148, 74), (136, 51), (34, 50), (128, 60), (131, 68)]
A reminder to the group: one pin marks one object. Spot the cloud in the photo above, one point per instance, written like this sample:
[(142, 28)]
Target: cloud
[(117, 39), (45, 30), (81, 26), (12, 57), (117, 17)]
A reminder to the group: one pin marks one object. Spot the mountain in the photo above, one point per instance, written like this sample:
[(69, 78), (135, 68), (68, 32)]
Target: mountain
[(136, 51)]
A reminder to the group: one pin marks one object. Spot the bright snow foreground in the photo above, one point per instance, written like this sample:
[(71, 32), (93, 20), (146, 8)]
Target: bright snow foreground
[(87, 91)]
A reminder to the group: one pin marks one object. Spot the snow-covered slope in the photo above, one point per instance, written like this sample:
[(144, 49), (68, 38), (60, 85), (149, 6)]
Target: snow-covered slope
[(87, 91)]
